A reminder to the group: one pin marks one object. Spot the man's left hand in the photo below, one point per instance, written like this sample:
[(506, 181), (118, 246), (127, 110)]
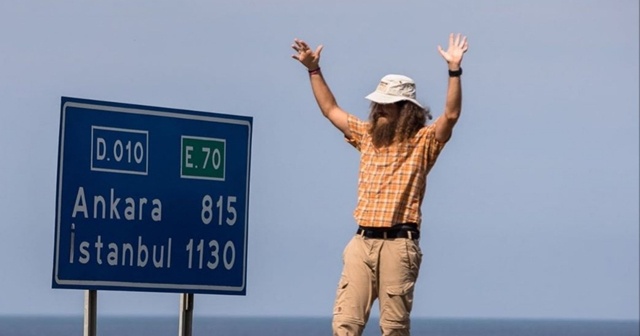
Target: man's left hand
[(457, 47)]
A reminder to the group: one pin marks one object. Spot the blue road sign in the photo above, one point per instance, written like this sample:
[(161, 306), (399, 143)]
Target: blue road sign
[(151, 199)]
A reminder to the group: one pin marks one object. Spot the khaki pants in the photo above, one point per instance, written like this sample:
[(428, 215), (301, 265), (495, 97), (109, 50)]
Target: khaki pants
[(383, 269)]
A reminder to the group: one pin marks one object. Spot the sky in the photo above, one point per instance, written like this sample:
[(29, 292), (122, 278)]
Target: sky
[(531, 210)]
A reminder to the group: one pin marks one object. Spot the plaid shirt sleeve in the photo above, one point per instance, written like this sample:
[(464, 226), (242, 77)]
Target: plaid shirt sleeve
[(358, 129), (434, 147)]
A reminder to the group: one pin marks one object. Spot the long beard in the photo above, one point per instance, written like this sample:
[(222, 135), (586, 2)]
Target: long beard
[(383, 135)]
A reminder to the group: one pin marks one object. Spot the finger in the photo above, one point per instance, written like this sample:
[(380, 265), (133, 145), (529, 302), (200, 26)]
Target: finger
[(318, 50), (462, 39), (450, 39), (300, 44), (304, 44), (295, 47), (296, 57), (441, 51)]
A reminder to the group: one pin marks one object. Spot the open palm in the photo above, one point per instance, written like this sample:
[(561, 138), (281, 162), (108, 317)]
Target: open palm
[(457, 47), (305, 55)]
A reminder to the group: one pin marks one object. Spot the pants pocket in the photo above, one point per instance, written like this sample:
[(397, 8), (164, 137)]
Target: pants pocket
[(414, 254), (398, 304)]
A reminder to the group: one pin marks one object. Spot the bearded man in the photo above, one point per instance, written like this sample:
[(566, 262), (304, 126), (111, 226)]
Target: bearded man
[(397, 151)]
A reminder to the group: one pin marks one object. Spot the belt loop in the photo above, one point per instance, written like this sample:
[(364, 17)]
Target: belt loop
[(361, 233), (410, 234), (385, 234)]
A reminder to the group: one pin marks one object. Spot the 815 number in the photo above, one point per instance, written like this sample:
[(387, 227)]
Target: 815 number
[(207, 210)]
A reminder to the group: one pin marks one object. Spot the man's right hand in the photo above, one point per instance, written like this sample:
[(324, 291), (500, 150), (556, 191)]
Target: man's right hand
[(308, 58)]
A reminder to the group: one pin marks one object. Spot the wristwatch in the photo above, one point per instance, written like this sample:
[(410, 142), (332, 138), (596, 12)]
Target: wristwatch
[(455, 73)]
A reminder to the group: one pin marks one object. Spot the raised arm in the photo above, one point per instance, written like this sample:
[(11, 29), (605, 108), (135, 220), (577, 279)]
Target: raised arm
[(453, 105), (325, 99)]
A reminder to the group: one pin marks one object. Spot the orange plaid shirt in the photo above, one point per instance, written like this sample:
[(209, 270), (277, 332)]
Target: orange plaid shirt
[(392, 180)]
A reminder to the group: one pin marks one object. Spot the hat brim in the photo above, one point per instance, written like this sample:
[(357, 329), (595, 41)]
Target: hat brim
[(382, 98)]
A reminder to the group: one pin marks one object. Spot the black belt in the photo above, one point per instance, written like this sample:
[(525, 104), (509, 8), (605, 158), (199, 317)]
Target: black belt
[(401, 231)]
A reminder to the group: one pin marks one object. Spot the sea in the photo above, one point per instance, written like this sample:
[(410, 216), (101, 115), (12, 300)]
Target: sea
[(299, 326)]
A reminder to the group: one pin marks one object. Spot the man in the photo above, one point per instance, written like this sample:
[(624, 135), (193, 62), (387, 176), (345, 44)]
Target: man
[(397, 151)]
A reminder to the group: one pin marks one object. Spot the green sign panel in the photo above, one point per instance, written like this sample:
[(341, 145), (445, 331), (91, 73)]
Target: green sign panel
[(203, 158)]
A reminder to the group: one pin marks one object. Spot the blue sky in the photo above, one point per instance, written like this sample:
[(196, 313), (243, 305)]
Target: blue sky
[(531, 211)]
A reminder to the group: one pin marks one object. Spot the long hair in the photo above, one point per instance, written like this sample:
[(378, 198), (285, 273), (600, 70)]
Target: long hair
[(410, 119)]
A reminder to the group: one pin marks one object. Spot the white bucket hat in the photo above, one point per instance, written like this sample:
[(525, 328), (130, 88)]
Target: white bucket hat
[(394, 88)]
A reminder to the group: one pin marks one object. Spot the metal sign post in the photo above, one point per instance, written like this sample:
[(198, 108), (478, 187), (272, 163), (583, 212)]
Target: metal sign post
[(186, 314), (90, 312)]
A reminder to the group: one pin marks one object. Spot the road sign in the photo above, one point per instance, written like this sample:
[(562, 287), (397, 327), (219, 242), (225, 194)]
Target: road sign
[(151, 199)]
